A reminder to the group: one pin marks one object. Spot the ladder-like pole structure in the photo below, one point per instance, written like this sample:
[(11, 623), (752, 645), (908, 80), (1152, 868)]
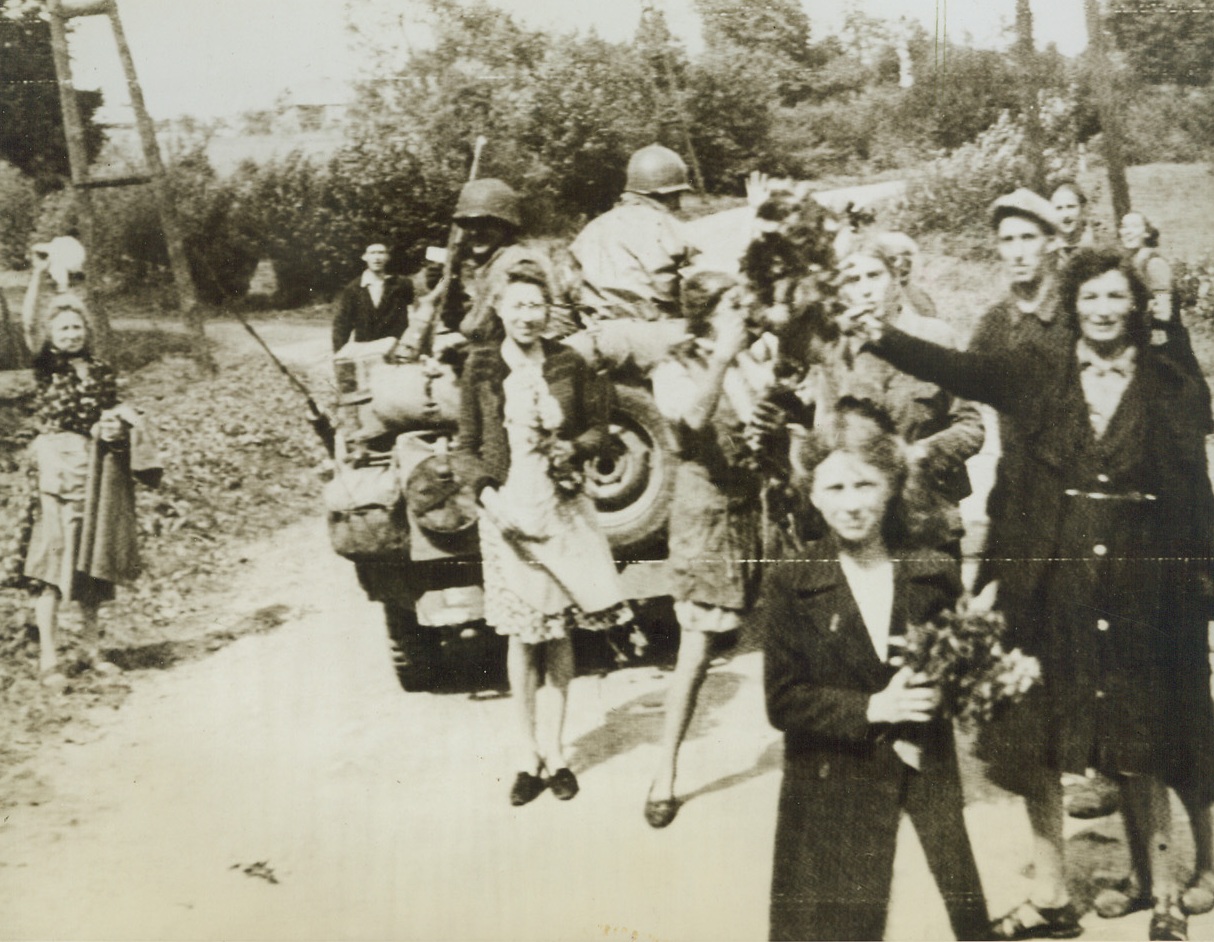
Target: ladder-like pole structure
[(77, 157), (187, 296)]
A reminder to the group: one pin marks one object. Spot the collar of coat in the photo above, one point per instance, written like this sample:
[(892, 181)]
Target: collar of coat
[(816, 568), (485, 361)]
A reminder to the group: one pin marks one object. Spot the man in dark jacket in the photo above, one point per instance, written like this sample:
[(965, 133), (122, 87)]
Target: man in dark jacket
[(373, 305)]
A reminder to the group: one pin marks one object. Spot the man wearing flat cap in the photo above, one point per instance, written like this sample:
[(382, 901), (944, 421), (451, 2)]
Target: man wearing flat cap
[(1030, 315)]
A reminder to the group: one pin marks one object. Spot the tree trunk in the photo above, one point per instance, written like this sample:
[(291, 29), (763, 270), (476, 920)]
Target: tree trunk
[(1101, 73), (1030, 82)]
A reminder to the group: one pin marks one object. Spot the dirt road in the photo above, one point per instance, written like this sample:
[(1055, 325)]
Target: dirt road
[(285, 788)]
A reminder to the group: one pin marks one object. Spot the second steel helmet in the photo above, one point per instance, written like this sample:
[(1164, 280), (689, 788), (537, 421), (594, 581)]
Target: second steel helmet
[(488, 198), (656, 169)]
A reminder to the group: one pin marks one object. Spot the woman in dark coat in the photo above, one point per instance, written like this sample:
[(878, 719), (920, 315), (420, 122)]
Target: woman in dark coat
[(861, 740), (1110, 491)]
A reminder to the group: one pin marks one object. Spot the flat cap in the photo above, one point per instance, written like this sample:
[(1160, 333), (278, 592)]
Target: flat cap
[(1024, 202)]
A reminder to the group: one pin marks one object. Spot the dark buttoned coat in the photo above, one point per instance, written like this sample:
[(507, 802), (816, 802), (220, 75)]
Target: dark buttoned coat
[(844, 785), (483, 451), (1101, 541)]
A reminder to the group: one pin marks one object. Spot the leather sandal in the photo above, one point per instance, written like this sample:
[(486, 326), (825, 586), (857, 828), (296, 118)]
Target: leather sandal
[(1028, 921), (660, 812), (1198, 896), (1121, 899), (1168, 923)]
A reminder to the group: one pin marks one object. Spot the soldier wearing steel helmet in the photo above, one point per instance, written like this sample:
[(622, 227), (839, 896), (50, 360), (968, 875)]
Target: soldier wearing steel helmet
[(632, 258), (489, 216)]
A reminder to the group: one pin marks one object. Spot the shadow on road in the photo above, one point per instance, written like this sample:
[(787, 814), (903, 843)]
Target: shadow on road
[(770, 761), (639, 721)]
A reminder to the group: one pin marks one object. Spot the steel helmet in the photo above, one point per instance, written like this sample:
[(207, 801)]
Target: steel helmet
[(656, 169), (488, 198)]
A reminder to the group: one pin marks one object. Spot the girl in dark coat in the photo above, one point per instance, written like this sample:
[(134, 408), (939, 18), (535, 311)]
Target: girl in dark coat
[(862, 742), (1110, 493)]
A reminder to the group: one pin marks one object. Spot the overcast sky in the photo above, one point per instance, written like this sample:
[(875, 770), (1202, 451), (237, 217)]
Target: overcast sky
[(216, 57)]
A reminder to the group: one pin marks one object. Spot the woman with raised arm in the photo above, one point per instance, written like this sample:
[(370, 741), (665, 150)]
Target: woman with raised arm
[(708, 389), (1113, 493), (80, 424)]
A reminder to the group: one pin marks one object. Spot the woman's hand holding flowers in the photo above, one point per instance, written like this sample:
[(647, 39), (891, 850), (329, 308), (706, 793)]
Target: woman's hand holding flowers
[(907, 698)]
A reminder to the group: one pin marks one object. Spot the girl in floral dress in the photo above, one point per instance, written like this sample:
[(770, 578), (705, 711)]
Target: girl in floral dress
[(532, 414)]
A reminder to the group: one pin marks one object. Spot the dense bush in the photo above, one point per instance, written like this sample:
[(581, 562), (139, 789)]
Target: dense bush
[(18, 213), (952, 194), (313, 220), (852, 134), (129, 246), (1168, 124)]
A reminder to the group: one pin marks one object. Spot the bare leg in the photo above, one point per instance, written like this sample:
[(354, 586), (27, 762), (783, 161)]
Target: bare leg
[(1198, 896), (46, 614), (1044, 805), (685, 682), (90, 631), (1136, 815), (558, 676), (522, 668), (1147, 804), (1203, 836)]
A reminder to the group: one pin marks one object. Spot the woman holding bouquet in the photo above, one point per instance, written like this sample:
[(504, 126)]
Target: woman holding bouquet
[(1112, 484), (863, 737), (531, 414)]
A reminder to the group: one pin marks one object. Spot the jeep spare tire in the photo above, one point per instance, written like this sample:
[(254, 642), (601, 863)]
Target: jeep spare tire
[(631, 485)]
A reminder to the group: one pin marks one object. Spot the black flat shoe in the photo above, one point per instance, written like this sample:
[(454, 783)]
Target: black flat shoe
[(659, 813), (563, 784), (1027, 921), (526, 788)]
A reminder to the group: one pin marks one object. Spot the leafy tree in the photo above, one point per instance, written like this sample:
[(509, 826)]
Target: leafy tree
[(1167, 42), (591, 107), (31, 124), (961, 94), (776, 36), (777, 27)]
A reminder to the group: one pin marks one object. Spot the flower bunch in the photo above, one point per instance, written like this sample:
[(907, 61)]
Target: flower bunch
[(962, 653), (565, 471), (560, 457)]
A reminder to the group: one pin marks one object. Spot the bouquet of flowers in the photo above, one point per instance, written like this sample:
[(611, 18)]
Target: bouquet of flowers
[(560, 457), (962, 653)]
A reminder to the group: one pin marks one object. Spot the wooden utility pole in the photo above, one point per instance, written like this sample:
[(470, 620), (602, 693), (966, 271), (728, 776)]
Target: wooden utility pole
[(78, 161), (1101, 72), (187, 297), (1030, 90)]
